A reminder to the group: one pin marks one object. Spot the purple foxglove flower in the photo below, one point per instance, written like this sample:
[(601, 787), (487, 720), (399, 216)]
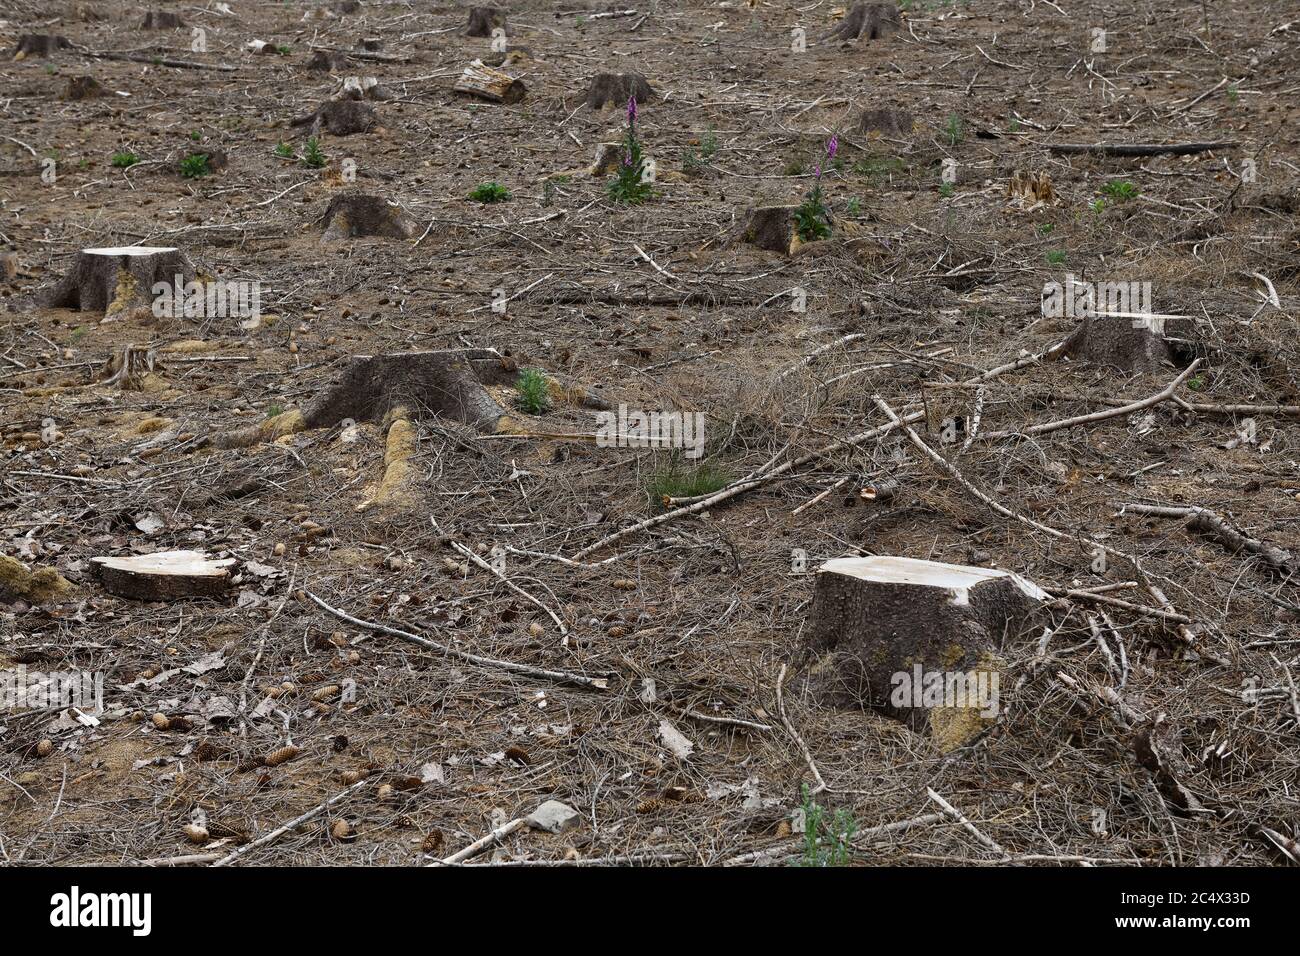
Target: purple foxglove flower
[(833, 146), (631, 109)]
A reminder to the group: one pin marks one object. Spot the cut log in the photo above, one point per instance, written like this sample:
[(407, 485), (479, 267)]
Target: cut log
[(870, 21), (615, 89), (340, 118), (900, 636), (83, 88), (39, 45), (161, 20), (118, 281), (768, 227), (355, 214), (483, 20), (486, 83), (164, 576)]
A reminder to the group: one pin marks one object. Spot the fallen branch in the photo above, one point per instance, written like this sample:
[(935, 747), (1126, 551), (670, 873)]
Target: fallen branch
[(1208, 522), (1138, 149)]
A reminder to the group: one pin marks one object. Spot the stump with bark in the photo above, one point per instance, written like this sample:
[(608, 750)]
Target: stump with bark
[(768, 227), (363, 88), (483, 20), (871, 21), (482, 81), (1131, 343), (128, 368), (164, 576), (161, 20), (83, 88), (885, 121), (882, 630), (340, 118), (39, 45), (615, 89), (328, 60), (1031, 187), (118, 281), (354, 215)]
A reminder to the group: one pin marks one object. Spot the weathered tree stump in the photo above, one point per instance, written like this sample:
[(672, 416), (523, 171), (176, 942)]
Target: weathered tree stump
[(39, 45), (128, 368), (340, 118), (486, 83), (118, 281), (164, 576), (885, 121), (615, 89), (161, 20), (483, 20), (83, 88), (328, 60), (41, 586), (872, 21), (1131, 343), (363, 88), (352, 215), (768, 227), (1031, 188), (884, 632)]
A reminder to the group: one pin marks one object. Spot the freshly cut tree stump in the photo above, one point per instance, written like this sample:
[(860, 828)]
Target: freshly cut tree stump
[(768, 227), (327, 60), (161, 20), (883, 630), (615, 89), (483, 20), (83, 88), (486, 83), (355, 214), (364, 88), (872, 21), (118, 281), (886, 121), (164, 576), (340, 118), (39, 45)]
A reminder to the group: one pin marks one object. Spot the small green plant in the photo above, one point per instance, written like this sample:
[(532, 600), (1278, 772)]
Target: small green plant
[(312, 155), (78, 333), (533, 393), (195, 165), (631, 185), (1196, 383), (1046, 229), (1098, 206), (947, 190), (490, 192), (195, 135), (826, 838), (812, 217), (879, 166), (125, 160), (284, 151), (708, 145), (854, 206), (273, 410), (1233, 94), (793, 167), (283, 50), (954, 130), (678, 480), (1120, 190), (1056, 257)]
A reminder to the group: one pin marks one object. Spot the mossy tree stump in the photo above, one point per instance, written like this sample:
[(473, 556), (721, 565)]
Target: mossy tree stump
[(882, 630), (118, 281)]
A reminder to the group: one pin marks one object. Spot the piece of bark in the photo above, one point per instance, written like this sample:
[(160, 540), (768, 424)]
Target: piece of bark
[(164, 576), (128, 368), (615, 89), (354, 215), (1031, 187), (485, 83), (340, 118), (118, 281), (870, 21), (877, 624), (483, 20)]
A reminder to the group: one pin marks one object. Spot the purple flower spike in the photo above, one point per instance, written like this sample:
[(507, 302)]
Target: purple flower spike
[(833, 146), (631, 109)]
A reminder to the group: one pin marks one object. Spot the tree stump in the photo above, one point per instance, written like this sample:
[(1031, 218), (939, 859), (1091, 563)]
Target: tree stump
[(128, 368), (884, 632), (354, 214), (872, 21), (615, 89), (483, 20), (886, 121), (1130, 342), (327, 60), (39, 45), (486, 83), (447, 383), (161, 20), (164, 576), (1031, 188), (768, 227), (118, 281), (83, 88), (363, 88), (340, 118)]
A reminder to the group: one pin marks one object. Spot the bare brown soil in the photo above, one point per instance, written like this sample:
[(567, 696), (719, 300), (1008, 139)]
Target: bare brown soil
[(1105, 728)]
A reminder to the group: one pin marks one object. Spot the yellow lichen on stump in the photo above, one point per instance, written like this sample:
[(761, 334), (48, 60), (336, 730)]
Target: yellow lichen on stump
[(397, 487), (952, 726), (38, 587)]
